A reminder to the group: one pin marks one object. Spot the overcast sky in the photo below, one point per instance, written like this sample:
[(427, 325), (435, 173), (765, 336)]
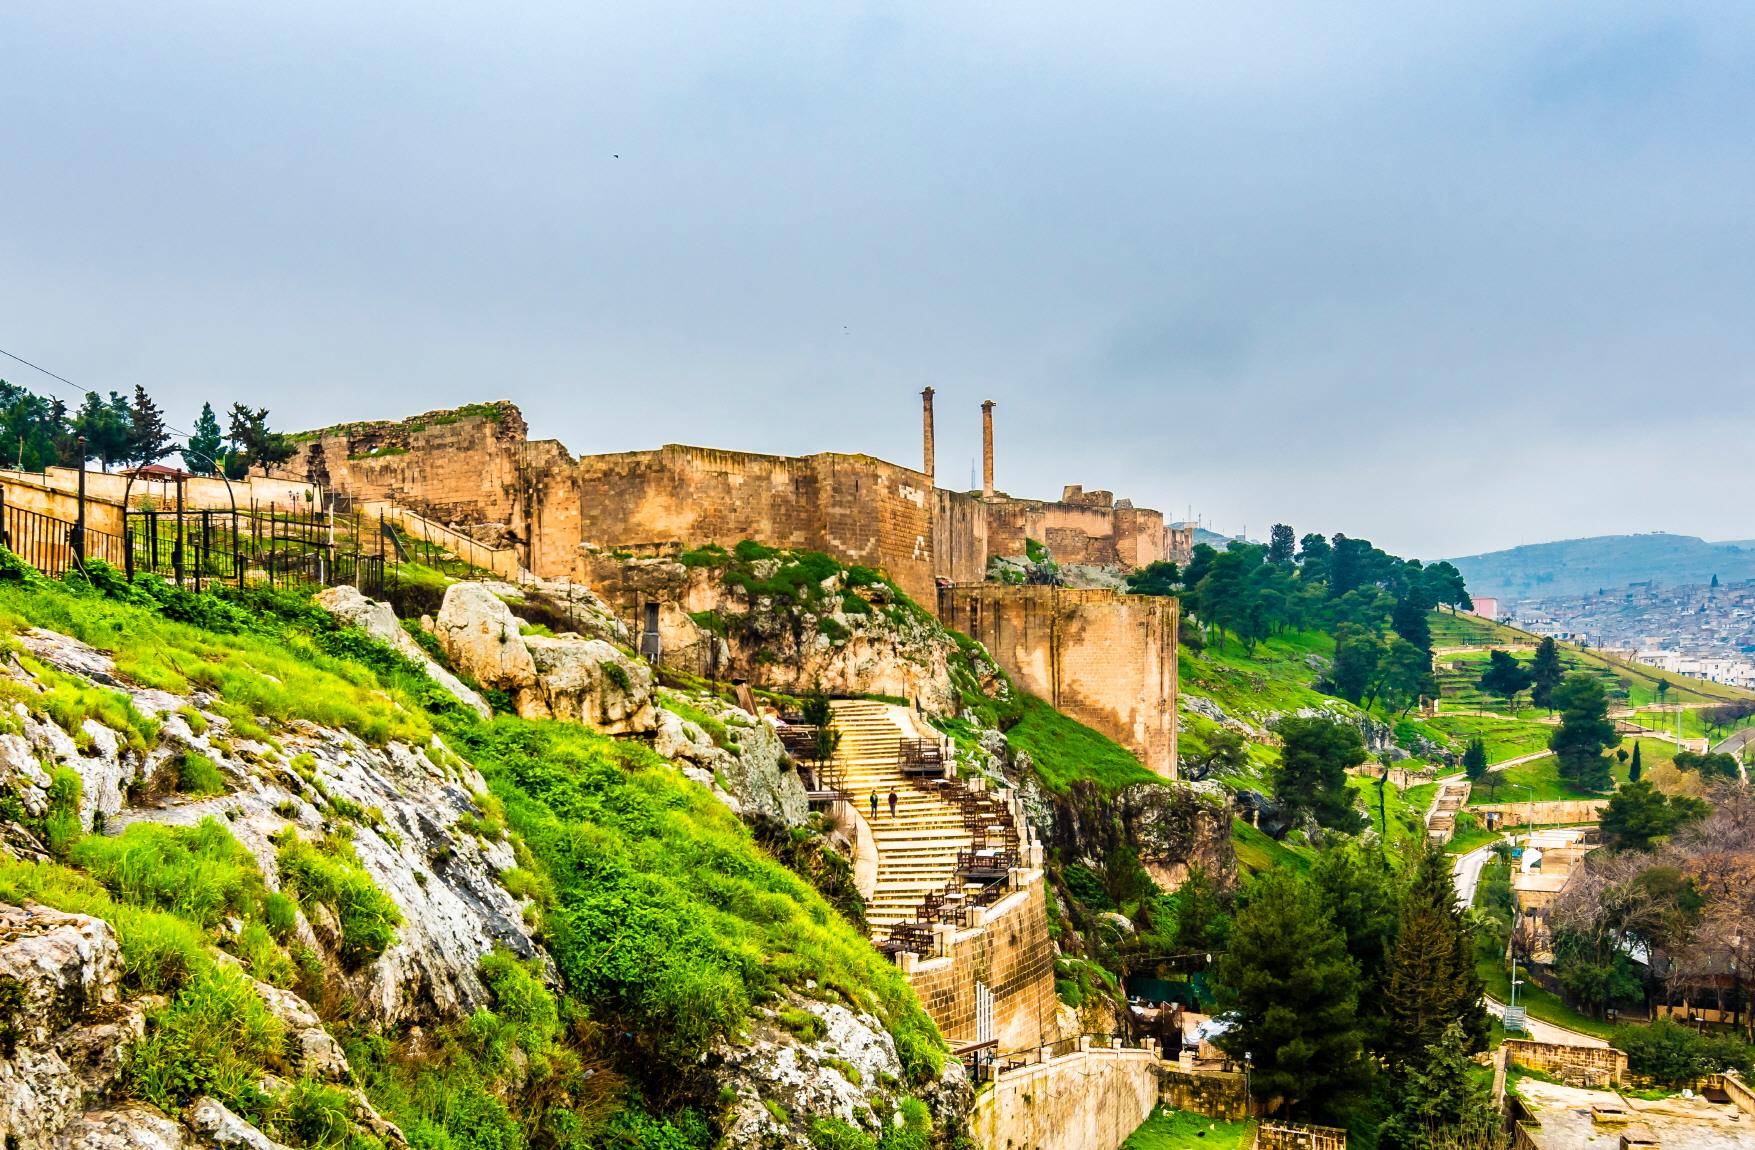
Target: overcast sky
[(1451, 277)]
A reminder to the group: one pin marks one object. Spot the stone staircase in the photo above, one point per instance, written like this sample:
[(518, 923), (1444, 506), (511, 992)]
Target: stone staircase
[(917, 847)]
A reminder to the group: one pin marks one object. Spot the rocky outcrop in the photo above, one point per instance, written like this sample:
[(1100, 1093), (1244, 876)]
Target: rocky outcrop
[(64, 1035), (848, 639), (587, 681), (823, 1060), (1173, 827), (379, 621), (751, 774), (402, 805)]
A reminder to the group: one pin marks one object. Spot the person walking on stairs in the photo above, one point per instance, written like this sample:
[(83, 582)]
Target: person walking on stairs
[(892, 804), (874, 804)]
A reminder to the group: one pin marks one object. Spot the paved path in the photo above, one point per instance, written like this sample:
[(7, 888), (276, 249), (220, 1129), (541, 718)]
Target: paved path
[(1467, 873)]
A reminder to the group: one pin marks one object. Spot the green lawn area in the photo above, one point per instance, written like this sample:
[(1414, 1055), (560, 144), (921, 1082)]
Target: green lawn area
[(1064, 749), (1505, 738), (1183, 1130), (1541, 777), (1275, 678), (1468, 838), (1257, 852)]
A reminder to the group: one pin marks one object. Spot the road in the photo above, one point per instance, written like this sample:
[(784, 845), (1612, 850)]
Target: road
[(1467, 875)]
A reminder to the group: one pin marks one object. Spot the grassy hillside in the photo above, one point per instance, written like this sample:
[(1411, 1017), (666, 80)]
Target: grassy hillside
[(1583, 566), (668, 924)]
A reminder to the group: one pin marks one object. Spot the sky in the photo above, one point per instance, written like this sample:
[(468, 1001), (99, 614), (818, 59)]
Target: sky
[(1448, 277)]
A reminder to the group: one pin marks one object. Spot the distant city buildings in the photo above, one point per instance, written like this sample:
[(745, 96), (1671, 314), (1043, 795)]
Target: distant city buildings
[(1698, 630)]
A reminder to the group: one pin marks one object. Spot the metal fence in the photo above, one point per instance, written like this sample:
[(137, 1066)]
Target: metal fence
[(52, 545), (295, 546)]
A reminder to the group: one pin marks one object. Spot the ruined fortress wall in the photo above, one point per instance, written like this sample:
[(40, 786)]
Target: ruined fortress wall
[(856, 508), (959, 539), (1090, 1099), (1107, 660), (1597, 1063), (454, 467), (1012, 956)]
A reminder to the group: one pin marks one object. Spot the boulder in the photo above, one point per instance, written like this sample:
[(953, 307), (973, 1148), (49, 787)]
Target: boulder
[(128, 1127), (218, 1126), (482, 639), (588, 681), (379, 621)]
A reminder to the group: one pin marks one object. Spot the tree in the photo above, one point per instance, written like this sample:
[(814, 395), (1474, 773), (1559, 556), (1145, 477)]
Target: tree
[(148, 439), (1545, 673), (201, 454), (1314, 758), (1445, 587), (1585, 732), (104, 424), (1504, 676), (33, 430), (1475, 760), (1281, 541), (1159, 578), (1225, 752), (1408, 619), (1404, 675), (1634, 770), (1357, 653), (1432, 982), (1360, 893), (1293, 991), (253, 443), (1639, 813), (1202, 921), (1441, 1102)]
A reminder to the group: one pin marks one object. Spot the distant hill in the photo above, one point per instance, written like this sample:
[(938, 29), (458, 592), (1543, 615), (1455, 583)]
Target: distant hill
[(1604, 562)]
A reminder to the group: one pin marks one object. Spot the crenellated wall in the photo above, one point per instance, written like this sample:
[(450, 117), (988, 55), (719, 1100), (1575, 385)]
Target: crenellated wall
[(1107, 660)]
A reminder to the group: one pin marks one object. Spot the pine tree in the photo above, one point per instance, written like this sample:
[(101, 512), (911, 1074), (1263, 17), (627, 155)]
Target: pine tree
[(1634, 769), (1585, 732), (104, 424), (1361, 894), (1545, 672), (1314, 756), (1294, 993), (148, 439), (1432, 982), (201, 455), (1475, 760), (1440, 1102)]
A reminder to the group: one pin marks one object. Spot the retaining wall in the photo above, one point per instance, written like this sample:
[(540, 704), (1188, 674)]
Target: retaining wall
[(1602, 1064), (1090, 1099)]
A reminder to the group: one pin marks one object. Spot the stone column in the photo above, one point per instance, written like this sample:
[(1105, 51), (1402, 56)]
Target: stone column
[(987, 448), (926, 434)]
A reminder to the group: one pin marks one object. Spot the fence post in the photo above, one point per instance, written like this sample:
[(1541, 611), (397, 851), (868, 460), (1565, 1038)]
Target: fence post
[(5, 535), (78, 532)]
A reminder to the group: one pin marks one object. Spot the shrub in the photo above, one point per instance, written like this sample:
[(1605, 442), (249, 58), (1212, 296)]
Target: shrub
[(834, 1134), (1675, 1055), (215, 1037), (332, 876), (61, 826)]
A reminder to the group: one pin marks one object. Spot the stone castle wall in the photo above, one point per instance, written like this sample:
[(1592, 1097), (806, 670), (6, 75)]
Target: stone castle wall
[(1105, 659), (475, 467), (1601, 1064), (1010, 954), (1092, 1098)]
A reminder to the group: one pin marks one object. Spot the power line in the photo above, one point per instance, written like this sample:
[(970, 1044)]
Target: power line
[(83, 393)]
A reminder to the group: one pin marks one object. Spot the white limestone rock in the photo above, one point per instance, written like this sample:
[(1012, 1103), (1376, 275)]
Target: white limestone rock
[(482, 638), (219, 1127), (130, 1126), (379, 621)]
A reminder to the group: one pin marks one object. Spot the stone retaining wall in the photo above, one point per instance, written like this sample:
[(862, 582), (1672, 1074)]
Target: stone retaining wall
[(1597, 1064), (1211, 1093), (1090, 1099)]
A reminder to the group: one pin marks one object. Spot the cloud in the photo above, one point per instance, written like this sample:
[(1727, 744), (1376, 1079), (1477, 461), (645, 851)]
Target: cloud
[(1447, 279)]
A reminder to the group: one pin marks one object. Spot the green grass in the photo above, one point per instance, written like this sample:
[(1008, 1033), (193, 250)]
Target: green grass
[(1405, 820), (329, 873), (1183, 1130), (1504, 738), (1543, 1005), (1542, 780), (1064, 750), (1257, 852), (1468, 838)]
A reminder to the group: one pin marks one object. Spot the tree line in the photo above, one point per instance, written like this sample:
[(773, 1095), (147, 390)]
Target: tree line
[(1374, 604), (38, 432)]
